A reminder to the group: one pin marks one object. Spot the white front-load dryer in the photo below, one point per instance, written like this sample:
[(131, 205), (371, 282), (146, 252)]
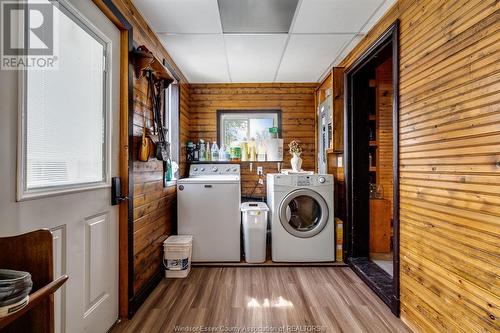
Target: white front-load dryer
[(302, 219)]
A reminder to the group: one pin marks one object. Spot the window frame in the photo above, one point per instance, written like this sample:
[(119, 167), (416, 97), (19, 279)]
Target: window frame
[(172, 119), (222, 113), (23, 193)]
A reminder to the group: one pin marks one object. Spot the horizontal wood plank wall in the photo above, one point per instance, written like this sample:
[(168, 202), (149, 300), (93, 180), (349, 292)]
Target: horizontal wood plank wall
[(295, 100), (154, 210), (450, 162), (383, 75)]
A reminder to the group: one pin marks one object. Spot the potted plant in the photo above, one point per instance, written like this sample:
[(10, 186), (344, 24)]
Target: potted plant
[(295, 151)]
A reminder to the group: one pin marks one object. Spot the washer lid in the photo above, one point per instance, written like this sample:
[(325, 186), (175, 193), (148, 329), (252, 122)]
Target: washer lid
[(303, 213)]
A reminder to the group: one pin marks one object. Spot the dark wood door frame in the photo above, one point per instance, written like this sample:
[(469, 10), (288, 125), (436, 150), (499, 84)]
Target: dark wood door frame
[(389, 38)]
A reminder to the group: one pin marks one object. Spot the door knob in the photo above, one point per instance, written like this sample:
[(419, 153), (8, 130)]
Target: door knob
[(116, 192)]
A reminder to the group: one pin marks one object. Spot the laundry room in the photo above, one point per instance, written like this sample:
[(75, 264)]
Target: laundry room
[(249, 166)]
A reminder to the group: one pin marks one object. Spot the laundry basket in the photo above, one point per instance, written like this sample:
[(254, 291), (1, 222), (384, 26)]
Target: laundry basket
[(177, 256), (254, 231)]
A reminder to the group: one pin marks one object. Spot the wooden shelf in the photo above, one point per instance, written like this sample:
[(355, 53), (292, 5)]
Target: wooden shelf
[(144, 61), (333, 151), (373, 169), (231, 162), (372, 117), (34, 300), (373, 143)]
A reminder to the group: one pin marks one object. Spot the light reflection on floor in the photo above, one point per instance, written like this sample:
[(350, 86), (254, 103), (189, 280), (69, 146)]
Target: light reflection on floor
[(280, 302)]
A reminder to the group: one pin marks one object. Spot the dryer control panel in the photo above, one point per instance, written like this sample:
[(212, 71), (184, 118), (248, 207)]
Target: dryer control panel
[(302, 180)]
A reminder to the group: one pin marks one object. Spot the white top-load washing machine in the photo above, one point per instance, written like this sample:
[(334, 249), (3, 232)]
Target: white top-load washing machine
[(208, 208), (302, 218)]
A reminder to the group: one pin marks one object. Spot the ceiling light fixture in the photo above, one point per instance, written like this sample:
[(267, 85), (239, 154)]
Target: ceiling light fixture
[(256, 16)]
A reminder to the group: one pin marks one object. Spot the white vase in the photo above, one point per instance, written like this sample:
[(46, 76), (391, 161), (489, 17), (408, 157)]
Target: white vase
[(296, 163)]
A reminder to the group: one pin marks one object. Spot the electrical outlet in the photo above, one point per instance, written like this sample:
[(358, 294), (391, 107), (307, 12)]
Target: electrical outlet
[(261, 181), (259, 171)]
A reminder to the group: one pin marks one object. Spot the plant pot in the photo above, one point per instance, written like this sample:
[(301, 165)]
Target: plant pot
[(296, 163)]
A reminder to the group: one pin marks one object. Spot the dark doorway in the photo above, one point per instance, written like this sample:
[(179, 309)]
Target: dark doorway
[(372, 177)]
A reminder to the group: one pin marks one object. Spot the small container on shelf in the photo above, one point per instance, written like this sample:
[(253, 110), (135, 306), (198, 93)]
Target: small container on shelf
[(235, 152), (190, 151)]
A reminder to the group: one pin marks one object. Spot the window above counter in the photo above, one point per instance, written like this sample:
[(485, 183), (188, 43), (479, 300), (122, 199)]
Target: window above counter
[(243, 125)]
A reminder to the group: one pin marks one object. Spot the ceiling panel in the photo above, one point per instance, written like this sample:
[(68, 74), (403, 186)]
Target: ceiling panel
[(201, 58), (307, 56), (254, 58), (377, 15), (181, 16), (347, 49), (323, 32), (333, 16)]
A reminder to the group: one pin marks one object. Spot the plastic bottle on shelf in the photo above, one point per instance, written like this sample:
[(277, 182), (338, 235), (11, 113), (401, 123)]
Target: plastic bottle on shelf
[(252, 149), (202, 155), (261, 152), (222, 152), (215, 152)]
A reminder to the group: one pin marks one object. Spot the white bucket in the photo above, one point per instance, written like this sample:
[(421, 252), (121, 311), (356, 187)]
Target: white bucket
[(177, 256)]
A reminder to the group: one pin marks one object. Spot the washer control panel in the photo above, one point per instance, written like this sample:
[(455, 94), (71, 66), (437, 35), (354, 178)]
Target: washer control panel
[(214, 169)]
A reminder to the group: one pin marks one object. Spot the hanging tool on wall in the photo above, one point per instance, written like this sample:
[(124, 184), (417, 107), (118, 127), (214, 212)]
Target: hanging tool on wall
[(145, 147), (146, 65)]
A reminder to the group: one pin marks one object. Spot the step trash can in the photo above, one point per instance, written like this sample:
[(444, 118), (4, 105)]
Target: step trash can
[(254, 231), (177, 256)]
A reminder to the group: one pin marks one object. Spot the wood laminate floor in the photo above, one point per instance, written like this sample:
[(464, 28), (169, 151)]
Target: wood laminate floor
[(264, 299)]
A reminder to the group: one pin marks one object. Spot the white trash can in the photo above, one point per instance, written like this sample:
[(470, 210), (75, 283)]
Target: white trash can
[(254, 231), (177, 256)]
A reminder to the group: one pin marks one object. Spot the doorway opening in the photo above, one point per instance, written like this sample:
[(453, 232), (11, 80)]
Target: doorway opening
[(372, 178)]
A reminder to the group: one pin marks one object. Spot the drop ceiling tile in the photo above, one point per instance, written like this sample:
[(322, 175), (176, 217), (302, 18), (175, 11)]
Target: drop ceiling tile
[(181, 16), (377, 15), (347, 48), (307, 56), (333, 16), (201, 58), (254, 58)]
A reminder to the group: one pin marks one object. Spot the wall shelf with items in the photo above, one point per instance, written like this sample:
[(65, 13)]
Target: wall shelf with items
[(231, 162), (144, 60), (333, 85)]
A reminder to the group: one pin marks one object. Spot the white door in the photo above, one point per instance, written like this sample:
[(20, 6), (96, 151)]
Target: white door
[(66, 132)]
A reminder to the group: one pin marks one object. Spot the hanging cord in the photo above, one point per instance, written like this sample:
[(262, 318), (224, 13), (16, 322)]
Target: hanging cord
[(256, 185)]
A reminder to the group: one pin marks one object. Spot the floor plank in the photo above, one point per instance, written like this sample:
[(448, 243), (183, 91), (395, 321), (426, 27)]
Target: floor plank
[(265, 299)]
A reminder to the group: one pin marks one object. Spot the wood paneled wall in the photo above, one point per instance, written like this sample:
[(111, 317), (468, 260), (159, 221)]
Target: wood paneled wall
[(154, 207), (295, 100), (450, 162), (384, 136)]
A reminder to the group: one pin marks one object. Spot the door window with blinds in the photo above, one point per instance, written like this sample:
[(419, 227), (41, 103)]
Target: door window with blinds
[(64, 136)]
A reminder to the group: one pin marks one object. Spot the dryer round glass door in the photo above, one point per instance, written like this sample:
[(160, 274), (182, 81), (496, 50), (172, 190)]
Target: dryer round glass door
[(303, 213)]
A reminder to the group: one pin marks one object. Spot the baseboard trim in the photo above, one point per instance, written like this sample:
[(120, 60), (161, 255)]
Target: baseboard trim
[(138, 299)]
